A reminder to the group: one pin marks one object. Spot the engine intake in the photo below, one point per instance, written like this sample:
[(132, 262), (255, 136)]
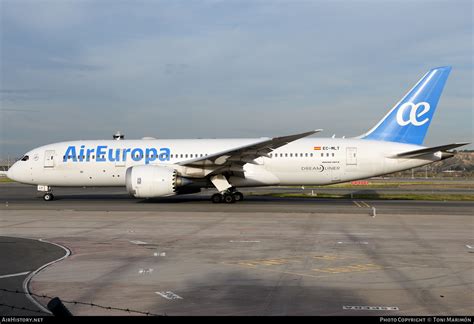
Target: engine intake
[(149, 181)]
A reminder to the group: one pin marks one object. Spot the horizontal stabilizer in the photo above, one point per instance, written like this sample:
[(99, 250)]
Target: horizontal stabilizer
[(416, 153)]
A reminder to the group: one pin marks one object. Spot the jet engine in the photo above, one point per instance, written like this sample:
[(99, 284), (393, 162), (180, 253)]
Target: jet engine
[(149, 181)]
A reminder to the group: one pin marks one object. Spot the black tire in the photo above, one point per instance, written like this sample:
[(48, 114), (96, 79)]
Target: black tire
[(229, 199), (238, 196), (216, 198), (48, 196)]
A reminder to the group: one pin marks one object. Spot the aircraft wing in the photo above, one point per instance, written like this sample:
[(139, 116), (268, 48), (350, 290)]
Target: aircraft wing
[(417, 153), (247, 153)]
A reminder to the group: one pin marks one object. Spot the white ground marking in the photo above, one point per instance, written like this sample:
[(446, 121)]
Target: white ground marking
[(341, 242), (159, 254), (168, 295), (371, 308), (339, 233), (145, 271), (139, 242), (26, 282), (14, 274), (469, 246), (244, 241)]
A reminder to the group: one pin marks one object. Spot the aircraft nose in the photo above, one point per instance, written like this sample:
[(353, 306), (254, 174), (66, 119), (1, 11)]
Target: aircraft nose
[(13, 172)]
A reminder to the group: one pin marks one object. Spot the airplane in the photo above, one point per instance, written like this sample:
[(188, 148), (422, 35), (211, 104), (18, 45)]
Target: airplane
[(151, 168)]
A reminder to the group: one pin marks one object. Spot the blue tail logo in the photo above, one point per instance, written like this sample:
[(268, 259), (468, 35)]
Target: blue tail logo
[(409, 120), (413, 113)]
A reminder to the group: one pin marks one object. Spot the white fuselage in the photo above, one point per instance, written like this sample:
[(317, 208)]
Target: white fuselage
[(308, 161)]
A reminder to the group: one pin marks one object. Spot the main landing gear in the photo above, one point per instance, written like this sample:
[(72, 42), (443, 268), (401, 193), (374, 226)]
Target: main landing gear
[(227, 197), (227, 193)]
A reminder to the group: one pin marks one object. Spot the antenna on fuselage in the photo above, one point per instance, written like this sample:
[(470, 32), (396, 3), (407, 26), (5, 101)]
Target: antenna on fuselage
[(118, 136)]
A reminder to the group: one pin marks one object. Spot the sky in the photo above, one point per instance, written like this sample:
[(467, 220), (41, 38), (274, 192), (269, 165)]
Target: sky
[(223, 69)]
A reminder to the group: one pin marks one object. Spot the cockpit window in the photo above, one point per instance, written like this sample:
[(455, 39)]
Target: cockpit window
[(25, 158)]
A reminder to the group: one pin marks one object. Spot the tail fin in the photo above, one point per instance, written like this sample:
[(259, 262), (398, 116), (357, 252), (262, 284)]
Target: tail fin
[(409, 120)]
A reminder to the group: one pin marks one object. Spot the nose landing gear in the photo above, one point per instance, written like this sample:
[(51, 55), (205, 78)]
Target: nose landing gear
[(48, 195)]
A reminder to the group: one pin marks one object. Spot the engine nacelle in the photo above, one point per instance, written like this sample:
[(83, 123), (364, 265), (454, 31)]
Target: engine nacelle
[(149, 181)]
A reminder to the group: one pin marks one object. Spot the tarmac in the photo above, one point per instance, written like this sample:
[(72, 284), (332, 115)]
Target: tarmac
[(263, 256), (20, 259)]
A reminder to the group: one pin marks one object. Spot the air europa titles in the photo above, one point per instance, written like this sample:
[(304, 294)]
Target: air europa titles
[(103, 153)]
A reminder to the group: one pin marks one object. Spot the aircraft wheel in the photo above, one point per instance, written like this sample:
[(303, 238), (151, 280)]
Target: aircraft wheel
[(238, 196), (48, 196), (216, 198), (229, 199)]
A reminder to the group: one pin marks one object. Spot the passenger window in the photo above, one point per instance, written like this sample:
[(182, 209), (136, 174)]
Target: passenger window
[(322, 154), (311, 154), (333, 154), (306, 154), (286, 154)]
